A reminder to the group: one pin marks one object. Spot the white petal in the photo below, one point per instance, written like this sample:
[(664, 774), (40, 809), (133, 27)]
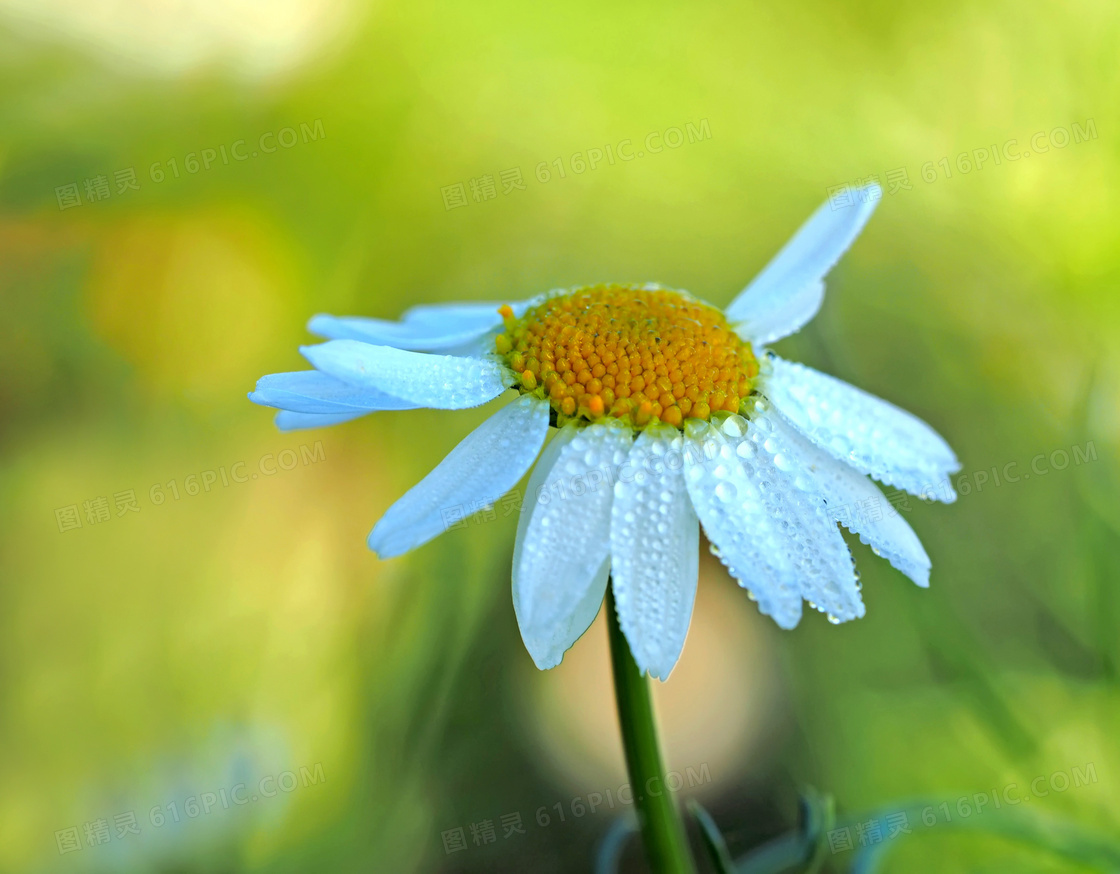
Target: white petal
[(789, 290), (486, 465), (309, 391), (481, 315), (444, 328), (547, 645), (872, 435), (563, 537), (773, 536), (417, 337), (853, 500), (442, 382), (655, 551)]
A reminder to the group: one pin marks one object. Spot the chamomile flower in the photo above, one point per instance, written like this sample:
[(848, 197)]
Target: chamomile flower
[(669, 415)]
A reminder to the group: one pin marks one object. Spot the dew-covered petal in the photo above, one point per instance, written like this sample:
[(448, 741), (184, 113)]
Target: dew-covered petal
[(289, 421), (655, 550), (563, 536), (417, 337), (547, 644), (789, 290), (780, 318), (442, 382), (309, 391), (773, 536), (873, 436), (486, 465), (446, 328), (536, 489), (853, 500)]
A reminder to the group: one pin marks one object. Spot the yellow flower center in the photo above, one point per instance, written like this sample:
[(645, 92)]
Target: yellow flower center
[(629, 352)]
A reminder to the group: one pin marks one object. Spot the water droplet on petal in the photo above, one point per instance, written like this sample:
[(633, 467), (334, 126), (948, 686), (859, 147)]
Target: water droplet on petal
[(732, 426)]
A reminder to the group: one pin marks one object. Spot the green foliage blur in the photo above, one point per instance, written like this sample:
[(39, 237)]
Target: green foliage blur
[(183, 185)]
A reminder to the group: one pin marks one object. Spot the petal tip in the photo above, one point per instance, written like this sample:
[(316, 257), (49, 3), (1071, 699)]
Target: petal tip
[(379, 542), (784, 622), (315, 323), (546, 661)]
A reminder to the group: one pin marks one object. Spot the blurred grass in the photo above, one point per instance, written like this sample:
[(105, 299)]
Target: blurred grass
[(248, 628)]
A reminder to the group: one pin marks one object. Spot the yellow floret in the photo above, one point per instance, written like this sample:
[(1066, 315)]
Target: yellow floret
[(638, 354)]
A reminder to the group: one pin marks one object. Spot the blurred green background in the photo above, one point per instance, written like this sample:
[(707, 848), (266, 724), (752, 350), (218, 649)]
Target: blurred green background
[(301, 156)]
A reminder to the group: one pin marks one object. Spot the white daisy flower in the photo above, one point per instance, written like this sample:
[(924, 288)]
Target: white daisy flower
[(669, 415)]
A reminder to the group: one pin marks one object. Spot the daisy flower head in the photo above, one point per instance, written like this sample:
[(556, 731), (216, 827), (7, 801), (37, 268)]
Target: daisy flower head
[(667, 414)]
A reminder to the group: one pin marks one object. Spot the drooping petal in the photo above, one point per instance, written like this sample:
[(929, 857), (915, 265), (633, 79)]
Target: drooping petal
[(309, 391), (853, 500), (486, 465), (419, 337), (789, 290), (536, 490), (775, 538), (289, 421), (547, 644), (563, 537), (873, 436), (442, 382), (446, 328), (655, 550)]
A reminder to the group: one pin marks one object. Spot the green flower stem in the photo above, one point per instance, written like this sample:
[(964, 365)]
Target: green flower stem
[(658, 817)]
